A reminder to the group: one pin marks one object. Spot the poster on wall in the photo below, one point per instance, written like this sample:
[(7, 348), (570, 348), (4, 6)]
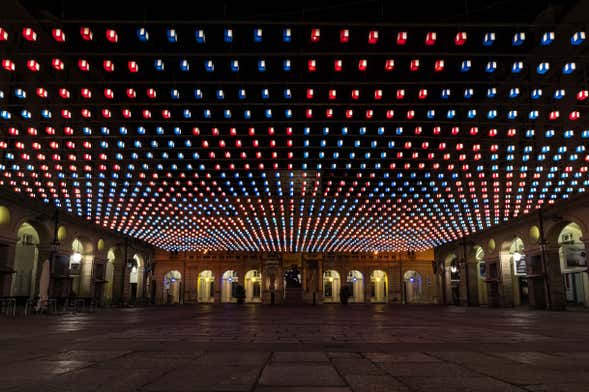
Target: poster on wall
[(482, 270), (519, 264), (573, 258)]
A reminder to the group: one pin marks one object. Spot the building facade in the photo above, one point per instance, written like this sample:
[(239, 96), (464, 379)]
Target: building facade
[(538, 260), (48, 256), (214, 277)]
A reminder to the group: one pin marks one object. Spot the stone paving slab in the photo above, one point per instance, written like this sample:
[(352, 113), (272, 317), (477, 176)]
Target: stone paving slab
[(93, 379), (350, 366), (375, 383), (303, 356), (209, 378), (426, 369), (304, 374), (401, 357), (563, 387), (459, 384), (303, 389)]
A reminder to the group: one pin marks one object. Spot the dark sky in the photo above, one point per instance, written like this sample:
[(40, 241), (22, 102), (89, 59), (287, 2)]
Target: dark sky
[(302, 10)]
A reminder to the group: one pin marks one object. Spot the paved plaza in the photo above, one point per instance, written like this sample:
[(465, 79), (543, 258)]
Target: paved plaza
[(292, 349)]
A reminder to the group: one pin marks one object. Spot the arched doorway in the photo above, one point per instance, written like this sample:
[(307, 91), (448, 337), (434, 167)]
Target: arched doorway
[(412, 286), (355, 282), (26, 257), (109, 276), (253, 286), (519, 272), (479, 255), (452, 278), (206, 287), (331, 286), (573, 264), (80, 268), (135, 278), (172, 287), (229, 283), (378, 286)]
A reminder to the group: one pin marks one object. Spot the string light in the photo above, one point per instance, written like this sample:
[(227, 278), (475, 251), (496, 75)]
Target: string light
[(293, 138)]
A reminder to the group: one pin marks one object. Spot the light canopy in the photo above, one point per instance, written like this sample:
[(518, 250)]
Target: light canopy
[(298, 137)]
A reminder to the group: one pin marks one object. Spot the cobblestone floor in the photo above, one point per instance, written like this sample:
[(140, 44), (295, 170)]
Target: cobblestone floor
[(294, 349)]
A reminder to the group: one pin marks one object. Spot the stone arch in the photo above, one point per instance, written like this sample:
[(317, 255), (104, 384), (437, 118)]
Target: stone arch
[(412, 287), (534, 235), (82, 245), (355, 283), (172, 286), (452, 278), (514, 269), (553, 231), (100, 245), (81, 261), (253, 286), (379, 286), (44, 232), (62, 233), (331, 286), (478, 255), (205, 286), (229, 283), (572, 254), (491, 246), (109, 276), (136, 267), (26, 262)]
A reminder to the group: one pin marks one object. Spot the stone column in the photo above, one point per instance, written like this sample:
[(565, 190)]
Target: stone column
[(310, 277), (554, 278), (218, 279), (319, 287), (447, 281), (391, 278), (506, 279), (367, 286), (86, 287), (473, 281), (462, 286), (536, 279), (118, 290), (9, 250), (44, 253), (586, 277), (492, 281), (440, 283), (97, 280), (191, 281)]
